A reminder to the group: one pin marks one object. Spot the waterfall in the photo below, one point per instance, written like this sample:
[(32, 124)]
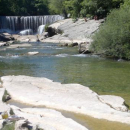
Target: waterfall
[(41, 29), (17, 23)]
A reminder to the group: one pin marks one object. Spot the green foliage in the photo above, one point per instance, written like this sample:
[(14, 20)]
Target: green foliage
[(99, 7), (126, 4), (77, 8), (46, 27), (80, 8), (4, 98), (113, 38), (23, 7), (57, 7), (9, 126), (11, 112), (73, 7)]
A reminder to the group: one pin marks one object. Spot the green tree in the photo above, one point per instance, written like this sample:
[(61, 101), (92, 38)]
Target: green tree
[(73, 7), (99, 7), (113, 38), (57, 7), (42, 7)]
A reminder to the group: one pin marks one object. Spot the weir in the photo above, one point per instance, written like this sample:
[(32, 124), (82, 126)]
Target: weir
[(17, 23)]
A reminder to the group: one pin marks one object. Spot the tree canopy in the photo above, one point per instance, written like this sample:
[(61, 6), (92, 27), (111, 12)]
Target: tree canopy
[(113, 38), (24, 7), (76, 8)]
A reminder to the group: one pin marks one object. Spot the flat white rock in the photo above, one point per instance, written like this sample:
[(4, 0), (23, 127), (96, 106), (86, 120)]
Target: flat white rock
[(115, 102), (69, 97), (19, 45), (47, 119)]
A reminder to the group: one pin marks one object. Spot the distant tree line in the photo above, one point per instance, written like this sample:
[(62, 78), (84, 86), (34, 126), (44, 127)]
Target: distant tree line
[(23, 7), (84, 8), (76, 8)]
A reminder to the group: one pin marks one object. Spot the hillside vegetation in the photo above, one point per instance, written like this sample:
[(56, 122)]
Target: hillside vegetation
[(113, 38), (76, 8)]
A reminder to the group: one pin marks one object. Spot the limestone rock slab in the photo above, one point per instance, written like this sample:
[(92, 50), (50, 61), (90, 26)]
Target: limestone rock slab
[(69, 97), (46, 119), (115, 102)]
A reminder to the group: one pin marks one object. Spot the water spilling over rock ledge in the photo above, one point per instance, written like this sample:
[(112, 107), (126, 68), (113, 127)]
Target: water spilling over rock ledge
[(69, 97)]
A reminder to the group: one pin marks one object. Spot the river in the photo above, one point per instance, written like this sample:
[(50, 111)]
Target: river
[(65, 65)]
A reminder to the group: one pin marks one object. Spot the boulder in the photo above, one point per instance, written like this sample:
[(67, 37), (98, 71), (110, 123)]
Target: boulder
[(6, 37), (51, 31), (23, 125), (84, 48), (2, 44)]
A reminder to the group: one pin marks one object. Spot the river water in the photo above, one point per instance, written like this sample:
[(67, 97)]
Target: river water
[(65, 65)]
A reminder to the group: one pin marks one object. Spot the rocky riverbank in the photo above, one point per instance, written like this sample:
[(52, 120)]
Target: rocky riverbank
[(66, 32), (42, 92)]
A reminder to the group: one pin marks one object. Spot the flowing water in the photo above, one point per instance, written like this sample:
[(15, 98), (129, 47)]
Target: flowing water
[(65, 65), (16, 23)]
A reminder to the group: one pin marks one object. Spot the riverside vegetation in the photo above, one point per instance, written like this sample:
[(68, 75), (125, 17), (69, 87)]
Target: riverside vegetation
[(113, 38)]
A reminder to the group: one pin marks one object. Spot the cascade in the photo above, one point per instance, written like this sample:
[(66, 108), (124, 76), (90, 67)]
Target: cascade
[(41, 29), (18, 23)]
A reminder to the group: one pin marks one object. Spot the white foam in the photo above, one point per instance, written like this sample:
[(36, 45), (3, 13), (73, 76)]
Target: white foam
[(62, 55), (80, 55)]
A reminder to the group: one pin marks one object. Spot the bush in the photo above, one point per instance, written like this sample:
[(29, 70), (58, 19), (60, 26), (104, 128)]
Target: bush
[(6, 96), (113, 38), (11, 112), (46, 27)]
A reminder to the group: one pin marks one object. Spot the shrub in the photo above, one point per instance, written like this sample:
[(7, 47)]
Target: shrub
[(113, 38), (46, 27), (11, 112), (6, 96)]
